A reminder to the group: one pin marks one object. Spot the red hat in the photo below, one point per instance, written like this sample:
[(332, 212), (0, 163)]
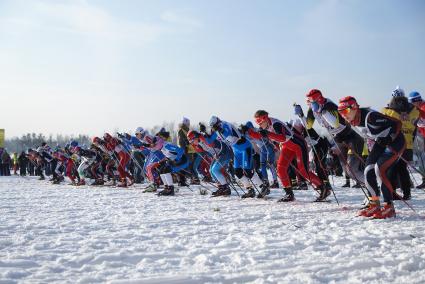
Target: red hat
[(315, 95)]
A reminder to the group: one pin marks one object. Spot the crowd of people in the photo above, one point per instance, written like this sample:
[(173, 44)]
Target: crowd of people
[(15, 164), (373, 148)]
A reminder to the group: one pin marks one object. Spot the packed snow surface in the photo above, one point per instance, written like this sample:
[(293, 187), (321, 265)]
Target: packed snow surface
[(65, 234)]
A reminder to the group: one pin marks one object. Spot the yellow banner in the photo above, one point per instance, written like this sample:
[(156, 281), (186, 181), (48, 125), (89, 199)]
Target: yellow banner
[(1, 137)]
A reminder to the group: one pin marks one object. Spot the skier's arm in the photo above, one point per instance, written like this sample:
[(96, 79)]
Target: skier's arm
[(310, 119)]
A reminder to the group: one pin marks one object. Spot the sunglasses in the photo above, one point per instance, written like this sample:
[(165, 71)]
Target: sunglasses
[(345, 111)]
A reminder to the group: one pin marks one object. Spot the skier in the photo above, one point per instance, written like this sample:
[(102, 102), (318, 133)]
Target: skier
[(399, 108), (319, 144), (221, 154), (118, 150), (188, 149), (292, 146), (325, 112), (388, 147), (242, 151), (174, 162)]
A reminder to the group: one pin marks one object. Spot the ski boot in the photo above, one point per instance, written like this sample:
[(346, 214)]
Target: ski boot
[(357, 185), (112, 182), (168, 191), (98, 182), (151, 188), (226, 191), (407, 196), (249, 194), (81, 182), (325, 191), (372, 208), (123, 183), (217, 192), (347, 183), (387, 211), (275, 184), (289, 197), (131, 181), (265, 190)]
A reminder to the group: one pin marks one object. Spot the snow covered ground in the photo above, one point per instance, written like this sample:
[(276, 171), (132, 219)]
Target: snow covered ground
[(65, 234)]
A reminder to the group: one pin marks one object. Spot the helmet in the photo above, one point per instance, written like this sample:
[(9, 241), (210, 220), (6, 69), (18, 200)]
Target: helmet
[(192, 135), (96, 140), (140, 130), (414, 97), (398, 92), (73, 143), (315, 95), (214, 120), (107, 136)]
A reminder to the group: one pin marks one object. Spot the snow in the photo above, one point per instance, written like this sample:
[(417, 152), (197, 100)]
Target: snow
[(64, 234)]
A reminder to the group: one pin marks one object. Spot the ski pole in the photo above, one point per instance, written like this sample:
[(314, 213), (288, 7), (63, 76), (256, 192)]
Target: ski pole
[(347, 166)]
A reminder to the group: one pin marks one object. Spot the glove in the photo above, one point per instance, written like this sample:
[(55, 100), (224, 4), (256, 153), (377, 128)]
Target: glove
[(120, 135), (298, 110), (384, 141), (202, 127), (264, 133)]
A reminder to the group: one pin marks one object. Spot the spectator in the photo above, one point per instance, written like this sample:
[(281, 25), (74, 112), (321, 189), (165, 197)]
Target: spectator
[(23, 163), (5, 157)]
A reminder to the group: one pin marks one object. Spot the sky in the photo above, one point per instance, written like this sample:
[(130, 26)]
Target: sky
[(89, 66)]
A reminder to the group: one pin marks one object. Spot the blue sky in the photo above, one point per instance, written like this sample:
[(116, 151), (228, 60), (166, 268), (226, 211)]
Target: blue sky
[(91, 66)]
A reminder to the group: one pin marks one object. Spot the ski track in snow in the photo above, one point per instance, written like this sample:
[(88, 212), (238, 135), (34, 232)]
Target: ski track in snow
[(63, 234)]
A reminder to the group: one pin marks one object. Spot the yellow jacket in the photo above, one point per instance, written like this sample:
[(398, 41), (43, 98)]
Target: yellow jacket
[(408, 123)]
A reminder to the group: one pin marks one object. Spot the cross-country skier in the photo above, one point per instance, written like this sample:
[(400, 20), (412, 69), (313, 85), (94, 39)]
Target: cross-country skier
[(242, 151), (388, 147)]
